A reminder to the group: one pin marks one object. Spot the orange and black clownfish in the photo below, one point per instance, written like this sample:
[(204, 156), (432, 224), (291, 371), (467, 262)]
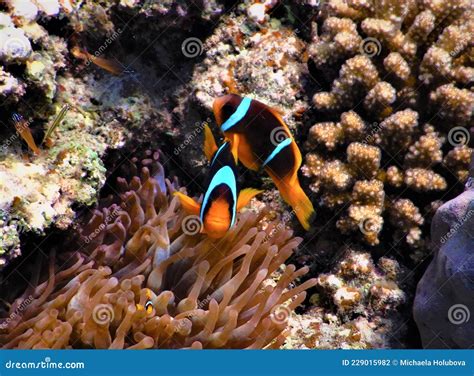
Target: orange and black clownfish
[(149, 306), (261, 139), (222, 199)]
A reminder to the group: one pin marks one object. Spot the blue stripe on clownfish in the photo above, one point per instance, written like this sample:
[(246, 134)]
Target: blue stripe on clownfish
[(238, 115), (218, 151), (224, 176), (286, 142)]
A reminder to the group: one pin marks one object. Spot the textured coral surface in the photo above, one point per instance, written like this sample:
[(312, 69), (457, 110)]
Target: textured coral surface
[(362, 311), (400, 106), (450, 275)]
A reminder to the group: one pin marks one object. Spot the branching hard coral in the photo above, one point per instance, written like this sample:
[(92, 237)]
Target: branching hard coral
[(426, 151), (456, 161), (364, 214), (454, 104), (363, 159), (232, 294), (397, 106), (404, 215)]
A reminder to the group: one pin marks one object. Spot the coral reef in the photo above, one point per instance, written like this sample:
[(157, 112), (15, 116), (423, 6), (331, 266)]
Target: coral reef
[(41, 191), (378, 96), (165, 14), (399, 106), (446, 288), (25, 42), (356, 307), (205, 295), (266, 64), (36, 194), (37, 80)]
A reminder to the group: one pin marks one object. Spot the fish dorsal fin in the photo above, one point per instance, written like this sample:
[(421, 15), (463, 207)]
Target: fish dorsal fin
[(245, 196), (189, 204), (210, 146)]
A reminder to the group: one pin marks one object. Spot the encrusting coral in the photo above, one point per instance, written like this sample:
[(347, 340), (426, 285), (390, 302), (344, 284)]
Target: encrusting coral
[(356, 306), (234, 294), (400, 106), (24, 41), (39, 191), (445, 290)]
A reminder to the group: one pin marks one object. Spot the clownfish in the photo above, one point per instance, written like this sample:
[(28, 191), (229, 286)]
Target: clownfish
[(260, 139), (148, 307), (222, 199)]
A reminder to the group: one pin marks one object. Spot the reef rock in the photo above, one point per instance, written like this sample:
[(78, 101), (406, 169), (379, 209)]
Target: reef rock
[(444, 297), (358, 305)]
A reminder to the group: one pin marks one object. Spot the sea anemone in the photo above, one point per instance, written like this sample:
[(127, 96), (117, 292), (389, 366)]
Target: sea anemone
[(236, 293)]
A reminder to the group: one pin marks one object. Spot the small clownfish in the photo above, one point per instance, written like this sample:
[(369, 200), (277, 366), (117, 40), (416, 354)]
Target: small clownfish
[(261, 139), (222, 199), (148, 307)]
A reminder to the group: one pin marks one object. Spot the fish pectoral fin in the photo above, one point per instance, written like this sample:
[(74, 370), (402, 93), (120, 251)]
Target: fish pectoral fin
[(189, 204), (210, 146), (234, 142), (245, 196), (140, 307)]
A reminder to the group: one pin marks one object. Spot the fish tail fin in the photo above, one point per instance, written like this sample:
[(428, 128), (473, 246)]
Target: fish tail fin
[(245, 196), (210, 146), (189, 204), (293, 194)]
